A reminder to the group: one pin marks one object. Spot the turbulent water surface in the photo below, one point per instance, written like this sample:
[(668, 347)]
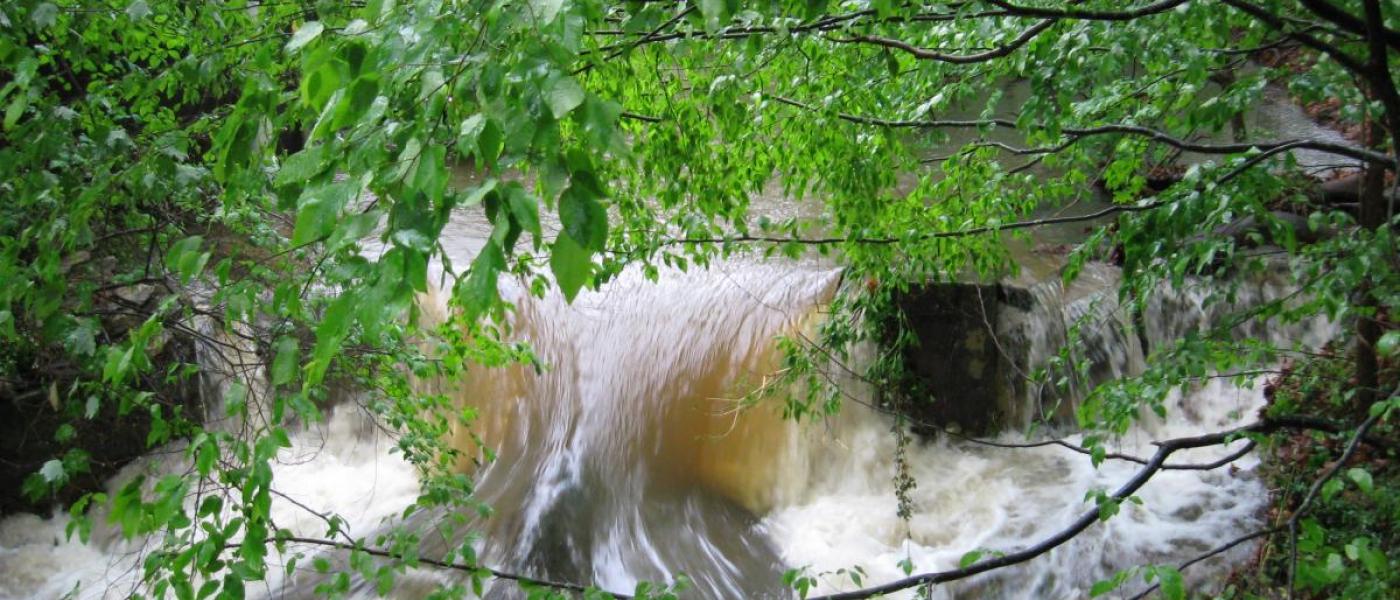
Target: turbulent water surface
[(625, 460)]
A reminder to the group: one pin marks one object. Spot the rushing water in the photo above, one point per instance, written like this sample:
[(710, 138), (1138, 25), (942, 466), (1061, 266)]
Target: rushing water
[(625, 460)]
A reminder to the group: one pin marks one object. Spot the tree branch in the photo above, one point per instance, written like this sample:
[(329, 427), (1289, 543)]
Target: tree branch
[(1117, 208), (1155, 464), (1211, 553), (1360, 435), (1088, 15), (1264, 15), (957, 59), (1348, 21), (629, 47), (1155, 135)]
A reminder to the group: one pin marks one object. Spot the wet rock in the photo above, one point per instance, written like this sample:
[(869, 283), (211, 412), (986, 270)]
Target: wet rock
[(135, 294), (77, 258)]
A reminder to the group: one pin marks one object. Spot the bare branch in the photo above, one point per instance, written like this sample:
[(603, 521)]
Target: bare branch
[(1154, 135), (1117, 208), (957, 59), (1154, 465), (1290, 525), (1088, 15), (643, 118), (1211, 553), (1264, 15), (1348, 21), (629, 47)]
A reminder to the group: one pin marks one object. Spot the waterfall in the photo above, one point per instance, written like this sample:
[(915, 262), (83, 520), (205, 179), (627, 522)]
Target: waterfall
[(626, 459)]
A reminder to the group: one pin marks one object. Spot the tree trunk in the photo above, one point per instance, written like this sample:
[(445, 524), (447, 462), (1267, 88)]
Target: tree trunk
[(1373, 209), (1368, 327)]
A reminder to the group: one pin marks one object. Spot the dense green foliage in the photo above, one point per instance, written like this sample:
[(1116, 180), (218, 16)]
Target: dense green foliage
[(212, 172)]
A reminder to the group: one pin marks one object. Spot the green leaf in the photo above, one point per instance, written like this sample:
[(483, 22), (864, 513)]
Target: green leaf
[(583, 217), (52, 472), (1108, 507), (563, 94), (470, 133), (362, 94), (284, 364), (1173, 588), (233, 587), (304, 35), (599, 121), (352, 229), (970, 558), (1103, 587), (1331, 489), (335, 323), (206, 454), (185, 258), (384, 580), (571, 264), (716, 13), (479, 192), (138, 10), (430, 176), (15, 110), (906, 565), (408, 158), (545, 11), (478, 292), (412, 239), (490, 142), (302, 166), (319, 85), (45, 15), (81, 340), (526, 210), (319, 211), (1362, 478), (1389, 344)]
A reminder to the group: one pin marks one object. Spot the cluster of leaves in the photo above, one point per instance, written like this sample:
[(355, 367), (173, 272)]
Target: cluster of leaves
[(1345, 546), (153, 152)]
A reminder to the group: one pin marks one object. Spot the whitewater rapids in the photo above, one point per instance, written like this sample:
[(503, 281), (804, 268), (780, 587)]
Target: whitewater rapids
[(626, 461)]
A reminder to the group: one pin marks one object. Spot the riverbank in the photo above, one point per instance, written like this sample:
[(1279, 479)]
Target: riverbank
[(1346, 543)]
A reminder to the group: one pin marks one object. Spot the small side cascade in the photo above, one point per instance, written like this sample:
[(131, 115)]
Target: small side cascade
[(1000, 356)]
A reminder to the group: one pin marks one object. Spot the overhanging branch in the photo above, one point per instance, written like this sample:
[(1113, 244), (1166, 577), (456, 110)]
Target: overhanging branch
[(1154, 465), (1117, 208), (1154, 135), (957, 59), (1348, 21), (1359, 436), (1088, 15), (1272, 20)]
